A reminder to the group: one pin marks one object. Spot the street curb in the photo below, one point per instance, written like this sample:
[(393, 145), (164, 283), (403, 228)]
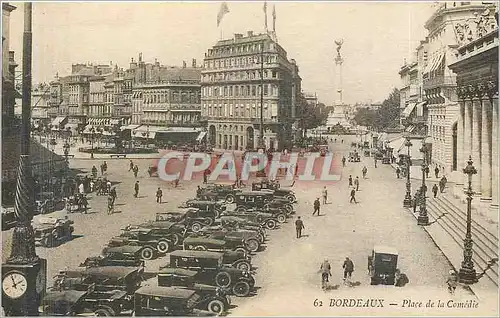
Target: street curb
[(466, 287)]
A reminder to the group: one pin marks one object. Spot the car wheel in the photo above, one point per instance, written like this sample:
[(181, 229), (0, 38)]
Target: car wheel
[(208, 221), (281, 218), (241, 289), (266, 206), (262, 239), (252, 245), (291, 198), (163, 246), (241, 250), (230, 198), (223, 279), (104, 311), (200, 248), (241, 209), (147, 253), (196, 227), (244, 266), (271, 224), (289, 208), (216, 306)]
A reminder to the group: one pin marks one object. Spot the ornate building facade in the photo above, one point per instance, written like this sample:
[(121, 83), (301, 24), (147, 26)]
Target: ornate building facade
[(477, 79), (231, 83)]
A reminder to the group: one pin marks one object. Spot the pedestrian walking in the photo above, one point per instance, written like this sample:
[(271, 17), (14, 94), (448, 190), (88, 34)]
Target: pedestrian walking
[(353, 196), (452, 281), (112, 193), (316, 206), (296, 170), (206, 173), (81, 188), (136, 171), (111, 204), (375, 161), (94, 171), (427, 171), (398, 172), (435, 190), (356, 183), (326, 271), (416, 200), (442, 184), (350, 180), (159, 194), (364, 171), (299, 226), (343, 161), (104, 167), (436, 172), (84, 203), (136, 189), (131, 166), (348, 267), (325, 195)]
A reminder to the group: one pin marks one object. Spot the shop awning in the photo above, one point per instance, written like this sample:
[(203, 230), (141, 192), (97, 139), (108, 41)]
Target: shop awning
[(434, 63), (201, 136), (397, 144), (115, 122), (181, 130), (131, 127), (58, 121), (407, 111), (149, 132)]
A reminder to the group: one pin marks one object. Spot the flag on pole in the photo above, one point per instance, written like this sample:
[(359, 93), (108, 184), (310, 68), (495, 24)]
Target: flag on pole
[(274, 18), (265, 13), (222, 12)]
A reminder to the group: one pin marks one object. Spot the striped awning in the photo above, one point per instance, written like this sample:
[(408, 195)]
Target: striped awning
[(115, 122), (408, 109), (434, 63), (201, 136), (58, 121)]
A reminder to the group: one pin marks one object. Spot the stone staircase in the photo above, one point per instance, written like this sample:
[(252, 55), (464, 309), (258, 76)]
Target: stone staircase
[(452, 220)]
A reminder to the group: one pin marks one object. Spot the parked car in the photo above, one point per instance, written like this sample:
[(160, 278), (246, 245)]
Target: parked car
[(127, 255), (383, 263), (229, 258), (201, 243), (260, 200), (50, 231), (266, 220), (167, 301), (218, 192), (210, 270), (175, 232), (278, 191), (152, 241), (234, 222), (252, 240), (9, 218), (210, 207), (192, 218), (354, 156), (213, 298)]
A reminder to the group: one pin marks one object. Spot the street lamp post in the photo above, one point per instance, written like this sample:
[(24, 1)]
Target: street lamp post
[(467, 273), (423, 218), (92, 131), (407, 200)]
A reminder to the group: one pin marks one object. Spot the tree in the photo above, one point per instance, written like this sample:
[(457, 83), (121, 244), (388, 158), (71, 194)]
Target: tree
[(387, 116), (311, 116)]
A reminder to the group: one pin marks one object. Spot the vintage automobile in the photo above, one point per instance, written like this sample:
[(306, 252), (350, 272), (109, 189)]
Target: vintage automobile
[(278, 190), (201, 243), (167, 301), (234, 222), (50, 231), (229, 258), (251, 200), (152, 241), (9, 218), (382, 264), (175, 232), (264, 219), (192, 218), (127, 255), (217, 192), (213, 298), (104, 278), (88, 302), (210, 207), (354, 156), (252, 240), (277, 204), (254, 231), (45, 203), (210, 270)]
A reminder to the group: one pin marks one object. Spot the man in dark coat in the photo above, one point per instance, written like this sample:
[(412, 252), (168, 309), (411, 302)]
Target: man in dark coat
[(136, 189), (299, 226), (350, 181), (316, 206), (416, 200), (348, 267), (442, 183), (398, 172), (112, 193), (436, 172), (159, 194), (353, 196), (435, 190)]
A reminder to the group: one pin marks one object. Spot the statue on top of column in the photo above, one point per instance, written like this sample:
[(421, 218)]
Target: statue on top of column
[(339, 46)]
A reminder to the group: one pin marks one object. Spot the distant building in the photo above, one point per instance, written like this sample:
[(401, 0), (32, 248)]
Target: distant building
[(231, 92), (40, 104)]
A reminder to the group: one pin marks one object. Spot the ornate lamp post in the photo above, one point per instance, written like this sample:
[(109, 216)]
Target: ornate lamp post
[(407, 200), (467, 273), (423, 218)]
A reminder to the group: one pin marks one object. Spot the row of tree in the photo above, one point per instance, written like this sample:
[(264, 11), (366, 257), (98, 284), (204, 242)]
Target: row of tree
[(385, 117), (311, 115)]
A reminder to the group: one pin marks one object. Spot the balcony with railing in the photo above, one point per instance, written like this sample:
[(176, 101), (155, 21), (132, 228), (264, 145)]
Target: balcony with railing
[(440, 81)]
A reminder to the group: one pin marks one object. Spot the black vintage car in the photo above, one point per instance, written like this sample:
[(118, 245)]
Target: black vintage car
[(216, 192), (175, 232), (211, 207), (167, 301), (127, 255), (264, 219), (203, 243), (236, 223), (213, 298), (261, 200), (50, 231), (152, 241), (252, 240), (192, 218), (234, 259), (210, 270), (382, 264), (278, 190)]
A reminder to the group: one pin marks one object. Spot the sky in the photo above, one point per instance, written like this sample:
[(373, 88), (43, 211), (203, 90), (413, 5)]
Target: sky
[(377, 37)]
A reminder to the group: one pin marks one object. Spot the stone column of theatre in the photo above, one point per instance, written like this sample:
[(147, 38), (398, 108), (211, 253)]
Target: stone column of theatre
[(460, 138), (467, 136), (486, 149), (476, 143), (494, 153)]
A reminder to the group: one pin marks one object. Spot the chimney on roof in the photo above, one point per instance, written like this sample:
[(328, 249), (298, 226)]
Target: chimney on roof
[(140, 57), (193, 64), (238, 36), (250, 33), (157, 63), (183, 64)]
